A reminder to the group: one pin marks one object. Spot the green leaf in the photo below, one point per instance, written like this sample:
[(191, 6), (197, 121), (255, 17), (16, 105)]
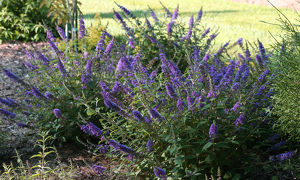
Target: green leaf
[(207, 145), (90, 112)]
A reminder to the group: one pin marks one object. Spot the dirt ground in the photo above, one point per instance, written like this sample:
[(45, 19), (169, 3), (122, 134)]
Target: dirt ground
[(293, 4)]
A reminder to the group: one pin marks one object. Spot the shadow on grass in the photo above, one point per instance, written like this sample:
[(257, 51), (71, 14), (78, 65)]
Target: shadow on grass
[(145, 13)]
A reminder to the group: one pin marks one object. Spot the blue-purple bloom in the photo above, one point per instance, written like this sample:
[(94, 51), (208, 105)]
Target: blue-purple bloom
[(37, 93), (57, 113), (61, 32), (108, 103), (43, 58), (160, 173), (200, 13), (60, 66), (283, 156), (169, 14), (50, 35), (138, 116), (98, 169), (91, 129), (213, 130), (116, 87), (263, 75), (191, 22), (21, 125), (126, 11), (169, 28), (109, 47), (102, 148), (236, 107), (236, 86), (240, 120), (7, 113), (13, 76), (81, 32), (155, 114), (120, 147), (175, 14), (170, 90), (8, 102), (48, 95), (276, 146), (205, 32), (149, 145), (180, 104), (153, 15)]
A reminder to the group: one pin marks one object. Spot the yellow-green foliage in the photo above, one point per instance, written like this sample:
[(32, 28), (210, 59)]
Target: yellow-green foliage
[(287, 81)]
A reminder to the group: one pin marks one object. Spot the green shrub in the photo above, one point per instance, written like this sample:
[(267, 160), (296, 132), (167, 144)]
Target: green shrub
[(22, 20), (287, 83)]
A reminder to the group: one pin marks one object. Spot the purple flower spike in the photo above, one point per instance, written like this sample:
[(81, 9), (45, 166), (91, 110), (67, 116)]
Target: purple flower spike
[(180, 104), (48, 95), (138, 116), (81, 32), (61, 32), (169, 14), (8, 102), (160, 173), (283, 156), (153, 15), (57, 113), (7, 113), (91, 129), (240, 120), (236, 107), (200, 14), (21, 125), (53, 47), (213, 130), (50, 36), (60, 66), (98, 169), (263, 75), (131, 43), (155, 115), (126, 11), (43, 58), (149, 145), (37, 93), (205, 32), (13, 77), (116, 87), (120, 147), (175, 14), (170, 90), (191, 22), (109, 47), (108, 103), (169, 28)]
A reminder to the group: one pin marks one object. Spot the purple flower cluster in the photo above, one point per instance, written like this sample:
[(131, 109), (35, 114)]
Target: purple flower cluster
[(7, 113), (91, 129), (120, 147), (81, 31), (213, 130), (283, 156), (160, 173), (98, 169)]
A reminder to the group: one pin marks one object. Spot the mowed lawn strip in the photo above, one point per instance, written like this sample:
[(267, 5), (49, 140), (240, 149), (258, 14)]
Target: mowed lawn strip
[(232, 20)]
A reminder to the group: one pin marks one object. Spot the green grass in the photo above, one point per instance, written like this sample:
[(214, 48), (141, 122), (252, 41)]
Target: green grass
[(232, 20)]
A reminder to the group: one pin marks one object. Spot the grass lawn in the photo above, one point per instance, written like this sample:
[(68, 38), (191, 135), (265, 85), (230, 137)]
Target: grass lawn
[(232, 20)]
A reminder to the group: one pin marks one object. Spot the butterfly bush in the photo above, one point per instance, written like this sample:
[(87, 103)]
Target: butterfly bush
[(167, 104)]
